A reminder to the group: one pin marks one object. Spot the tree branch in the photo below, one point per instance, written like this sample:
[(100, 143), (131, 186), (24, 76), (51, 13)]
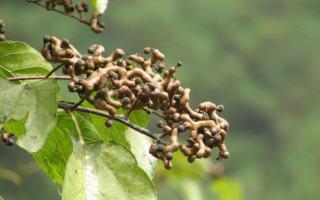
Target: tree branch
[(75, 107), (37, 2), (121, 119), (22, 78), (53, 70)]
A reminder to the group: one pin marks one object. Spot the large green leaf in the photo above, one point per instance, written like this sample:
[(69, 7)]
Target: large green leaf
[(139, 146), (105, 172), (53, 157), (35, 105), (88, 130), (137, 143), (28, 110), (19, 59), (100, 6)]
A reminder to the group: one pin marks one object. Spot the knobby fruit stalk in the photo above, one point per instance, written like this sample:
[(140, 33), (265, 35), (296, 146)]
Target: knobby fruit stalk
[(142, 82), (69, 8)]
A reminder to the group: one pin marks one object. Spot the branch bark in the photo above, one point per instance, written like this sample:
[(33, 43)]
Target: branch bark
[(37, 2), (24, 78), (71, 106)]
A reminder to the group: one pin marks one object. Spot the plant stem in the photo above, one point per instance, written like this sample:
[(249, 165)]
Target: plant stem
[(75, 107), (121, 119), (53, 70), (38, 78), (37, 2)]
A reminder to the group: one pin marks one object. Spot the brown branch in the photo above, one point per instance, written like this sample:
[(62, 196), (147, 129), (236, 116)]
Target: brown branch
[(153, 112), (23, 78), (121, 119), (75, 107), (81, 20), (53, 70)]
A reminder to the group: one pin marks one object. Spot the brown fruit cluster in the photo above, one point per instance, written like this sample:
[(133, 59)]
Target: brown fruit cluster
[(2, 31), (69, 8), (136, 82)]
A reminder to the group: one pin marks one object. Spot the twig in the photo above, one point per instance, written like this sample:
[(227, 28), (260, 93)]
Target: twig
[(131, 109), (153, 112), (76, 107), (121, 119), (21, 78), (53, 70), (81, 20), (77, 104)]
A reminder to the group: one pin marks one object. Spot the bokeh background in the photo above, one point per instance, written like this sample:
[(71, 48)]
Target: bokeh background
[(260, 59)]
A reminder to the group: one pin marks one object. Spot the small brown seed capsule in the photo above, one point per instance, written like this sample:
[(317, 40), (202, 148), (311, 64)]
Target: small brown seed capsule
[(217, 137), (181, 90), (181, 128), (65, 44), (91, 50), (46, 39), (160, 68), (191, 159), (85, 6), (72, 87), (138, 81), (207, 132), (160, 148), (160, 124), (177, 97), (220, 108), (125, 101), (169, 156), (79, 8), (108, 123), (147, 50)]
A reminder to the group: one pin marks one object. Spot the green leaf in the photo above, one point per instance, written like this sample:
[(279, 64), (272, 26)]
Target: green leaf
[(137, 143), (19, 59), (28, 110), (88, 130), (53, 157), (34, 104), (100, 5), (139, 146), (105, 172)]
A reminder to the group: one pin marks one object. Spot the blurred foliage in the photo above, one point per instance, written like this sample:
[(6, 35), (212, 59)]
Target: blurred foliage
[(227, 189), (258, 58)]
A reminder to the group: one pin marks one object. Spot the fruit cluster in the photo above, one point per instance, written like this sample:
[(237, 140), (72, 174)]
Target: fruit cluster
[(69, 8), (143, 82), (2, 30)]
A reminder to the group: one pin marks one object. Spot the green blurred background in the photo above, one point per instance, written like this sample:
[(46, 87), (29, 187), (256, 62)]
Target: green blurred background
[(260, 59)]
